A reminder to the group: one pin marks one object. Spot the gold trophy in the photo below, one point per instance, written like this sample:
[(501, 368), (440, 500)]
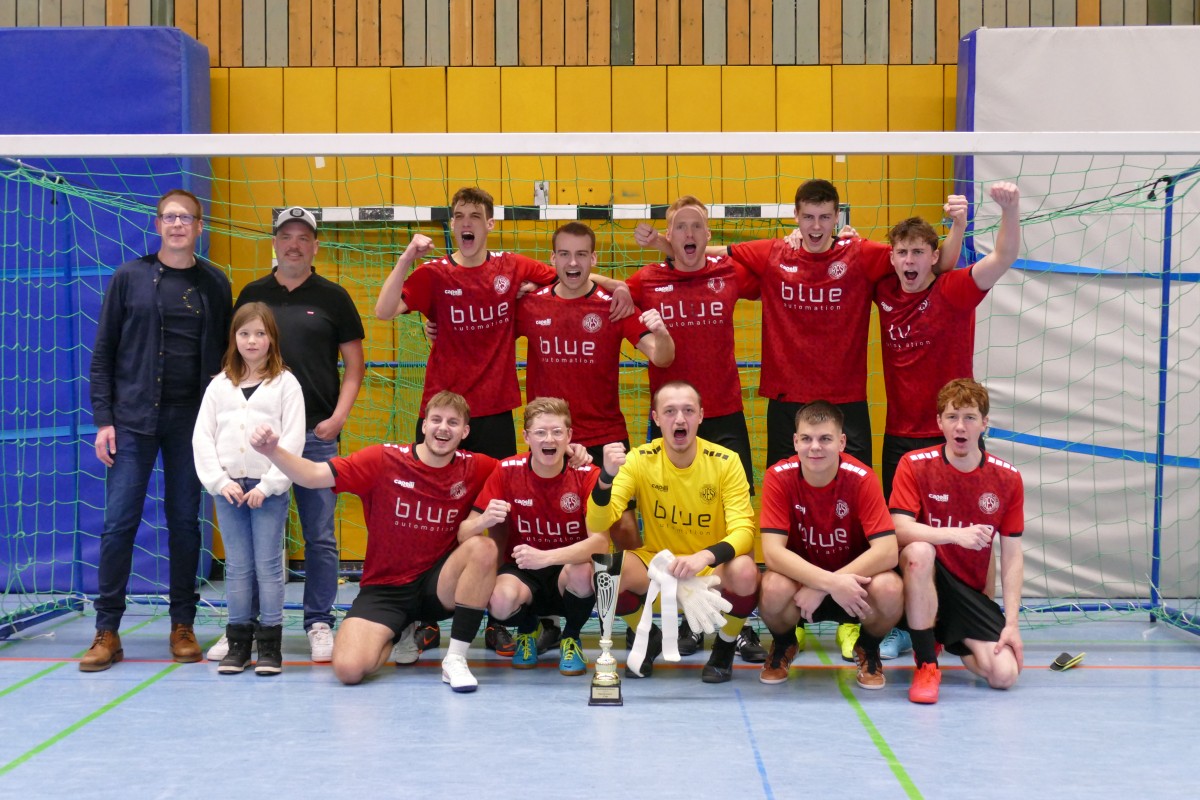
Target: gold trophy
[(606, 578)]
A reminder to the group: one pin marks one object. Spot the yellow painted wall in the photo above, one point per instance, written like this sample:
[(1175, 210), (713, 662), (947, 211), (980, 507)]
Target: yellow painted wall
[(569, 99)]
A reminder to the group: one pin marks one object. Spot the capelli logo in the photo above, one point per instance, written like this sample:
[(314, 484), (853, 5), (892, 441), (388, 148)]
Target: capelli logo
[(454, 292), (545, 323), (660, 487), (786, 268), (407, 484), (941, 498), (664, 289), (521, 501)]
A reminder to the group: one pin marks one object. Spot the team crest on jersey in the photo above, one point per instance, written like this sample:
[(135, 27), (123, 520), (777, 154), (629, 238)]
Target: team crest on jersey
[(841, 509), (989, 503), (501, 284), (924, 304), (569, 502), (716, 284), (837, 269), (458, 490), (592, 322), (708, 493)]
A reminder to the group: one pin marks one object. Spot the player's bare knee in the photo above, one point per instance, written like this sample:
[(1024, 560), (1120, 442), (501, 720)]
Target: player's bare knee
[(1003, 673), (776, 590), (579, 579), (742, 576), (917, 558), (348, 670), (886, 589), (480, 551)]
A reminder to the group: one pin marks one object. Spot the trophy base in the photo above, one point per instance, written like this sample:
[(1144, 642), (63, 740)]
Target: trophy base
[(606, 695)]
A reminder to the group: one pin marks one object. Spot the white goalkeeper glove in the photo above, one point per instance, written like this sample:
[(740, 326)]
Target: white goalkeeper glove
[(702, 604)]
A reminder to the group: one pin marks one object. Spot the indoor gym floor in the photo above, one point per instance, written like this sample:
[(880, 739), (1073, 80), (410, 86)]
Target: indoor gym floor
[(1126, 723)]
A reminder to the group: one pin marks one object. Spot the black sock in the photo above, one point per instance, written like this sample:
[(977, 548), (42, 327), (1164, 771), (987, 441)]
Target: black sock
[(578, 610), (784, 640), (924, 646), (869, 641), (465, 623)]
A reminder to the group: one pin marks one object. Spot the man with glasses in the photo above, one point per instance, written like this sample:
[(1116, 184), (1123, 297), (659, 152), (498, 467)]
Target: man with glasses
[(162, 331)]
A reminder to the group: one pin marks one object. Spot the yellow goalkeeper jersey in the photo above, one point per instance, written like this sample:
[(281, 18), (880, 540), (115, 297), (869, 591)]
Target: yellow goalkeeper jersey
[(683, 510)]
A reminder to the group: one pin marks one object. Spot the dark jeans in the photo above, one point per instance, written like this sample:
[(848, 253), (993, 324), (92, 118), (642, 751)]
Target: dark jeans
[(125, 496)]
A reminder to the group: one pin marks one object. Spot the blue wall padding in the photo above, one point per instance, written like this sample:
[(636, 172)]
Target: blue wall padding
[(57, 253)]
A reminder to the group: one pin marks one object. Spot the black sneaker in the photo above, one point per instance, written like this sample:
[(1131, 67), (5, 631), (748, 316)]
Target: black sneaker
[(429, 636), (653, 650), (689, 641), (719, 668), (499, 640), (550, 636), (749, 647)]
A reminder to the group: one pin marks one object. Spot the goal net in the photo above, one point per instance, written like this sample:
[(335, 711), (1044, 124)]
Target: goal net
[(1090, 346)]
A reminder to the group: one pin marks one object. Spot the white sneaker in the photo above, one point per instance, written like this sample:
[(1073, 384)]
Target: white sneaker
[(320, 641), (404, 651), (219, 650), (456, 673)]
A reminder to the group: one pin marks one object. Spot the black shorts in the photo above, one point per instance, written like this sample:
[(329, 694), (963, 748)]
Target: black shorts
[(963, 613), (493, 435), (894, 449), (397, 606), (543, 584), (728, 431), (830, 611), (781, 427)]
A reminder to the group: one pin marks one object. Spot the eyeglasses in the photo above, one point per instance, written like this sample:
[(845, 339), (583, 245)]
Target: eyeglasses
[(171, 219), (542, 434)]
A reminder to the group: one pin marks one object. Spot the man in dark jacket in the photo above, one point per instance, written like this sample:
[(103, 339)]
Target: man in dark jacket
[(163, 329)]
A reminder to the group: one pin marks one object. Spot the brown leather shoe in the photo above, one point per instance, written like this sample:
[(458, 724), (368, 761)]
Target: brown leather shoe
[(104, 652), (184, 647)]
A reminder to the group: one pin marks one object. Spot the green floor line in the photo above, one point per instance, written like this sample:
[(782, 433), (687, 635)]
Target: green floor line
[(104, 709), (906, 782), (61, 664)]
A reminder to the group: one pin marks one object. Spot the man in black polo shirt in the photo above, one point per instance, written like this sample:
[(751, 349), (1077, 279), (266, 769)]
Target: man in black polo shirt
[(317, 323), (162, 331)]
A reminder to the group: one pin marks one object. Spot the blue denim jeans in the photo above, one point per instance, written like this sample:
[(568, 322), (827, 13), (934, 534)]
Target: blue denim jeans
[(125, 496), (253, 539), (321, 557)]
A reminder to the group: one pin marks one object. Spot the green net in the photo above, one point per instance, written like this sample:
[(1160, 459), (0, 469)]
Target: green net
[(1071, 343)]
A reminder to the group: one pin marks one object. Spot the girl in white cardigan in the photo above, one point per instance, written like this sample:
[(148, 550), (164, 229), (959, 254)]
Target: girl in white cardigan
[(251, 495)]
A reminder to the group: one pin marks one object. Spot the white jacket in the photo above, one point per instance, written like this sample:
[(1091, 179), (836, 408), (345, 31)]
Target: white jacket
[(221, 439)]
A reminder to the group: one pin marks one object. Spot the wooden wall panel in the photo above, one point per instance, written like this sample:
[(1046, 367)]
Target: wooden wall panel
[(716, 21), (529, 26), (1064, 13), (299, 33), (481, 115), (1018, 14), (462, 34), (1087, 13), (1158, 12), (639, 103), (760, 32), (185, 16), (901, 14), (737, 32), (368, 33), (691, 32), (621, 19), (277, 33), (391, 33), (970, 16), (645, 32), (483, 32), (575, 33), (118, 12), (218, 226), (854, 25), (553, 32), (139, 12), (783, 33), (876, 51), (994, 13), (345, 32), (831, 31), (599, 35), (667, 27), (231, 33), (1184, 12), (808, 32), (437, 33), (748, 104), (948, 31), (507, 33), (583, 102), (1041, 13), (208, 28), (254, 33), (1135, 12), (94, 12), (321, 39), (419, 181)]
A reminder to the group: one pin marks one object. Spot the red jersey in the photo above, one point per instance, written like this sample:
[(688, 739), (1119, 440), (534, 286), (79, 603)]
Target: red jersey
[(547, 513), (828, 526), (928, 341), (475, 309), (412, 510), (697, 308), (816, 317), (929, 489), (574, 352)]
